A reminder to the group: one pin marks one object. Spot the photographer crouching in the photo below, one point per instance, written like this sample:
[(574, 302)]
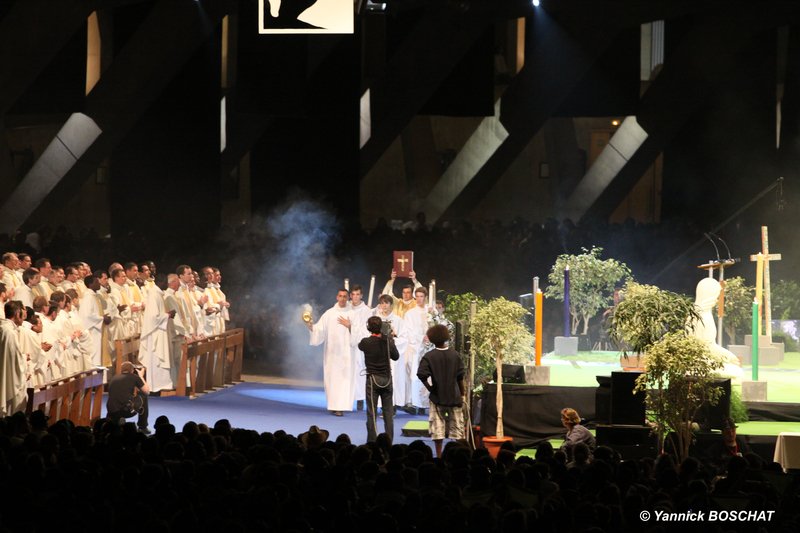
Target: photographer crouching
[(378, 348), (127, 397)]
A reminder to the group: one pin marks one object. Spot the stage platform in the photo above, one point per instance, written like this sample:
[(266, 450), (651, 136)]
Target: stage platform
[(783, 379)]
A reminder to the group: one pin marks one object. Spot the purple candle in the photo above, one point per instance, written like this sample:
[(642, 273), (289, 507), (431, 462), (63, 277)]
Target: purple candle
[(566, 302)]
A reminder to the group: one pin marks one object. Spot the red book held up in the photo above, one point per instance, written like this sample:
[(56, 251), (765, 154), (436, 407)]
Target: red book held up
[(403, 263)]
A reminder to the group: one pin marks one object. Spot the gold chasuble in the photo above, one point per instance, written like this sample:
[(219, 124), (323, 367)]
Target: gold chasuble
[(400, 308)]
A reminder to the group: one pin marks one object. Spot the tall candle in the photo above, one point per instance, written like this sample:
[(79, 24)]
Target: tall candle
[(759, 286), (754, 346), (433, 293), (371, 290), (538, 299), (566, 302), (430, 294), (347, 284)]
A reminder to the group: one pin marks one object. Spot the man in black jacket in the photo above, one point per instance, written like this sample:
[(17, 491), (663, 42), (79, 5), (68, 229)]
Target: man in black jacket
[(442, 373), (378, 349)]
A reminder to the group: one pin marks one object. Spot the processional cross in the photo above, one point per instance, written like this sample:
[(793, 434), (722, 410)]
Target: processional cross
[(762, 280)]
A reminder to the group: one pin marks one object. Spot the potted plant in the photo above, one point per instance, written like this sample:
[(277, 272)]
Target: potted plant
[(678, 378), (499, 335), (645, 314), (592, 282)]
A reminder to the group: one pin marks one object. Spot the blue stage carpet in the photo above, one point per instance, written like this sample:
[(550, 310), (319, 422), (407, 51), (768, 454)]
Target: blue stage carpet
[(264, 407)]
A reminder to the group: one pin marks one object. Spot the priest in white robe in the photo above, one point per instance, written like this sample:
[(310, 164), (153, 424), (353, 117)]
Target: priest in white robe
[(30, 344), (80, 347), (333, 329), (154, 346), (12, 370), (416, 324), (358, 330), (92, 315), (177, 327), (387, 315)]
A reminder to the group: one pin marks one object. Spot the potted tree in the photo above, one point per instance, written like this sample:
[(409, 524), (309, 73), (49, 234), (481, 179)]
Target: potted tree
[(645, 314), (592, 282), (677, 379), (499, 335)]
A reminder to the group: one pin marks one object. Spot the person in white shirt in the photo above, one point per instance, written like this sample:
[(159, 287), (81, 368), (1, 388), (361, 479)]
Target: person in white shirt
[(333, 329), (358, 330), (13, 364), (30, 280)]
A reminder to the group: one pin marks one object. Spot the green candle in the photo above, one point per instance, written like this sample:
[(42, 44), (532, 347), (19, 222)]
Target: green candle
[(754, 358)]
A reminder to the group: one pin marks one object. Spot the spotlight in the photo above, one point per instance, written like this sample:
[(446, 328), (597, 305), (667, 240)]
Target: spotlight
[(615, 122), (535, 3)]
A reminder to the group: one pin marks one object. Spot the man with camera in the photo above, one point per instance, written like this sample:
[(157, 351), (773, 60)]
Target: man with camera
[(378, 349), (127, 397)]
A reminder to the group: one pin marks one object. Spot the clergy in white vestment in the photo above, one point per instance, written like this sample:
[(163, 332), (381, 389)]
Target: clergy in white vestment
[(136, 304), (406, 301), (224, 303), (80, 342), (25, 294), (387, 315), (416, 324), (185, 296), (123, 324), (358, 330), (53, 333), (208, 312), (216, 299), (8, 273), (30, 344), (12, 368), (71, 276), (154, 347), (49, 368), (333, 329), (92, 314), (178, 331)]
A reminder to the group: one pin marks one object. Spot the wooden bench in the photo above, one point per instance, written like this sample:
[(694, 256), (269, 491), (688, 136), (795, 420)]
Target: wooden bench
[(234, 354), (211, 363), (78, 398)]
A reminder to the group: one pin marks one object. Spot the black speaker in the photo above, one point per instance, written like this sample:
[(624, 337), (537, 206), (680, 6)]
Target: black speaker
[(712, 416), (602, 400), (512, 374), (626, 407)]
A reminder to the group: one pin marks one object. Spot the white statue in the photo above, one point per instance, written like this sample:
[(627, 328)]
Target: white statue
[(706, 330)]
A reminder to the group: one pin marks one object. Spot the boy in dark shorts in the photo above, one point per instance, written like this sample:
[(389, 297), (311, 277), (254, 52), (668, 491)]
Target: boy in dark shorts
[(442, 373)]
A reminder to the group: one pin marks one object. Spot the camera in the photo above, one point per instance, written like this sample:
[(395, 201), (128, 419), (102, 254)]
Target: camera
[(386, 328)]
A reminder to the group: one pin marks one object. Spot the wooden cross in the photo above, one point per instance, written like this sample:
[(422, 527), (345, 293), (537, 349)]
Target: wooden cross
[(403, 260), (767, 303)]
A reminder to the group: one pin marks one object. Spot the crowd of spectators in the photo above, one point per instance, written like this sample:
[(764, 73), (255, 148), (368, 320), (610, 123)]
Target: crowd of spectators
[(67, 478)]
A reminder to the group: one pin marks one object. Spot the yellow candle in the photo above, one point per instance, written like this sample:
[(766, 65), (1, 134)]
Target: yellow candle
[(538, 327)]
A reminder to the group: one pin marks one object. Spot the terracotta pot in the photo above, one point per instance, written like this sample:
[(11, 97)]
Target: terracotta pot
[(634, 362), (493, 444)]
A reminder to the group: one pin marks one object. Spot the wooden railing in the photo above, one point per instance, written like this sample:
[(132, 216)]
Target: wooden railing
[(126, 350), (210, 363), (78, 398)]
